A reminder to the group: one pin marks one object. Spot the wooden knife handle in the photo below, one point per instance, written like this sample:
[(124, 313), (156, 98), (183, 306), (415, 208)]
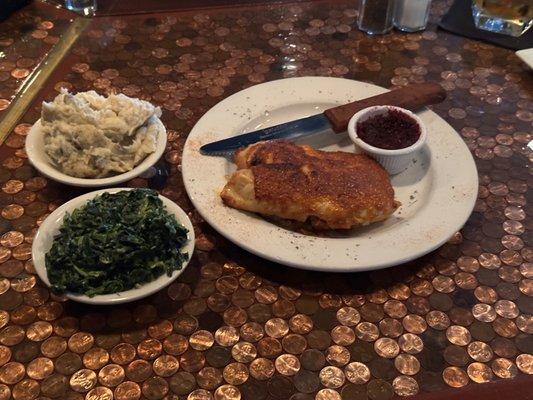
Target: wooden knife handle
[(411, 97)]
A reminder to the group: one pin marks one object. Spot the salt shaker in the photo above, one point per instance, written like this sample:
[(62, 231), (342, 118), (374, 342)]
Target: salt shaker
[(375, 16), (411, 15)]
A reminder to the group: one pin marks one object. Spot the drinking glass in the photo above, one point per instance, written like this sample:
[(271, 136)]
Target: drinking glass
[(86, 8), (509, 17)]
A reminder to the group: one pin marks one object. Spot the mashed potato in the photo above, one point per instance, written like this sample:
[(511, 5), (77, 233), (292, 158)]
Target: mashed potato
[(92, 136)]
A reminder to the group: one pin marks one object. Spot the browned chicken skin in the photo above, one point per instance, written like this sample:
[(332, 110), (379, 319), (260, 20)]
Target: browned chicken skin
[(328, 190)]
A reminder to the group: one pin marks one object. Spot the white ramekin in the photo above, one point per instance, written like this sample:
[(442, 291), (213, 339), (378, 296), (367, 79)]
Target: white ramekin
[(394, 161)]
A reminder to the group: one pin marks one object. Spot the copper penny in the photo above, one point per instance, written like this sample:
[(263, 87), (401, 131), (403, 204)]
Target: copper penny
[(379, 389), (68, 363), (414, 324), (332, 377), (420, 287), (127, 391), (411, 343), (4, 318), (484, 312), (200, 394), (251, 332), (407, 364), (287, 364), (185, 324), (227, 392), (11, 239), (327, 394), (40, 368), (245, 352), (5, 392), (456, 355), (149, 349), (5, 354), (343, 335), (11, 335), (160, 330), (337, 356), (111, 375), (179, 291), (123, 353), (357, 372), (80, 342), (480, 351), (458, 335), (372, 312), (182, 383), (227, 336), (479, 372), (525, 323), (504, 368), (138, 370), (95, 358), (99, 393), (269, 347), (235, 373), (505, 327), (438, 320), (367, 331), (506, 309), (201, 340), (261, 369), (300, 324), (289, 293), (348, 316), (386, 347), (83, 380), (155, 388), (390, 327), (524, 362), (319, 339), (294, 343), (192, 360), (276, 327), (12, 372), (486, 294), (174, 344), (26, 389), (455, 377), (165, 365), (312, 360), (405, 386), (266, 294), (23, 283)]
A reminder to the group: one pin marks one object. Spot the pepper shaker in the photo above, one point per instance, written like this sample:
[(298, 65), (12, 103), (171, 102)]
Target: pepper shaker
[(411, 15), (375, 16)]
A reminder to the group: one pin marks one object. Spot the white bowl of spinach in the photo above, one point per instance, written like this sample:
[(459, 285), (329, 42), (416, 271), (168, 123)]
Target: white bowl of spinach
[(113, 246)]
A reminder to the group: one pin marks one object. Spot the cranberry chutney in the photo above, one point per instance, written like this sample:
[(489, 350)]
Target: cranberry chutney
[(391, 135), (391, 131)]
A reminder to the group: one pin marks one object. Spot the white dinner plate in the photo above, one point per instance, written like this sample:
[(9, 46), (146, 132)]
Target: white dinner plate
[(437, 191), (42, 243), (40, 160), (526, 55)]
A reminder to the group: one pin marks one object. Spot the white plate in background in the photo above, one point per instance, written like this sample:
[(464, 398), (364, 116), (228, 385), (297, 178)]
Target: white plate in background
[(438, 190)]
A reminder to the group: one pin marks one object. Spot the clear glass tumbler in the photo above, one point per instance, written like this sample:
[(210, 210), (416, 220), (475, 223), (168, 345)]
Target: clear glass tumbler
[(509, 17), (375, 16), (86, 8)]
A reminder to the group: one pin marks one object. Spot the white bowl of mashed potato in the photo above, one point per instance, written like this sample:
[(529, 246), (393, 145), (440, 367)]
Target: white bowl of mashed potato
[(89, 140)]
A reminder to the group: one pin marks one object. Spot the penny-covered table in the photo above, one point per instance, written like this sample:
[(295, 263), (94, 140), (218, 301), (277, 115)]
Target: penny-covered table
[(236, 326)]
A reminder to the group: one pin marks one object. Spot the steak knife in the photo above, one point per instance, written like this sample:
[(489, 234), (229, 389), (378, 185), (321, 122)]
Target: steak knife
[(411, 97)]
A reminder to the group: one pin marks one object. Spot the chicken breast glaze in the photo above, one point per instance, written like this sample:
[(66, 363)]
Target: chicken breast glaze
[(327, 190)]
